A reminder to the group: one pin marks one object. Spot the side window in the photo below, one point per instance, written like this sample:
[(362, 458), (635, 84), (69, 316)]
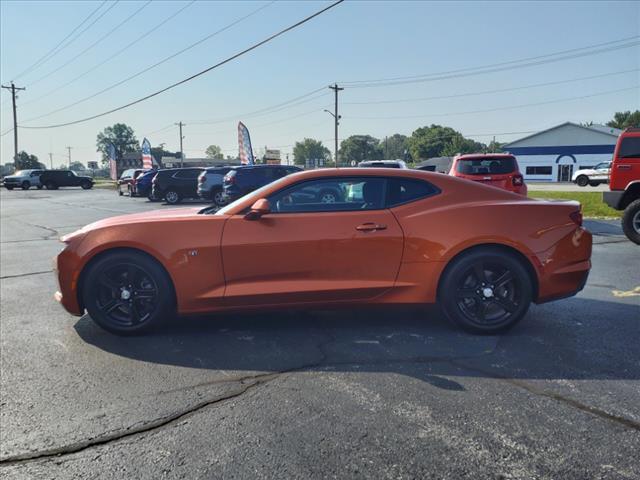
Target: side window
[(331, 195), (187, 174), (630, 147), (404, 190)]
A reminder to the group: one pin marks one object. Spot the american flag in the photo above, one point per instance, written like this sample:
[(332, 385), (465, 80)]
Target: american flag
[(113, 168), (147, 162)]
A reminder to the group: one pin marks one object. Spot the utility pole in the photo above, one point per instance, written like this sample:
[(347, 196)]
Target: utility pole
[(51, 160), (13, 89), (336, 119), (69, 149), (180, 124)]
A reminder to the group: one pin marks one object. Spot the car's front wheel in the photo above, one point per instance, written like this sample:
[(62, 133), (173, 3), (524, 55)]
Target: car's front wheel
[(9, 187), (582, 181), (86, 185), (172, 197), (25, 185), (631, 221), (486, 291), (127, 293), (219, 198)]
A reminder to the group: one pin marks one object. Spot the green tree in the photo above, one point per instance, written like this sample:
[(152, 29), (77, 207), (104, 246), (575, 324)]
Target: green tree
[(310, 149), (26, 161), (76, 166), (439, 141), (214, 152), (626, 119), (360, 147), (394, 147), (121, 136)]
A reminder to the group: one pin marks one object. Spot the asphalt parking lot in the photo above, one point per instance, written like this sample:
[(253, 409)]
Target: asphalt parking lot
[(352, 394)]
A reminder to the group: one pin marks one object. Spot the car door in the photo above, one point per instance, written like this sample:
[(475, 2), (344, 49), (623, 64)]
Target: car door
[(602, 171), (187, 182), (627, 161), (312, 252)]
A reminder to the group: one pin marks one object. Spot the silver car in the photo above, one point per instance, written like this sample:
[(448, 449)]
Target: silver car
[(24, 179), (210, 185)]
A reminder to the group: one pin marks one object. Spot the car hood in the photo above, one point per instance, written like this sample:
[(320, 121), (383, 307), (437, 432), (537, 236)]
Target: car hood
[(143, 217)]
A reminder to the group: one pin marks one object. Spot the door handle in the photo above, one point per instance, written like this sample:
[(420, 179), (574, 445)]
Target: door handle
[(370, 227)]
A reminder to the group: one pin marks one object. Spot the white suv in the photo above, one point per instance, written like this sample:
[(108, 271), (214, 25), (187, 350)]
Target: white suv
[(592, 176), (383, 164), (23, 179)]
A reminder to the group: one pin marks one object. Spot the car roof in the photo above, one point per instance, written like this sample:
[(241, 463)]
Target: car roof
[(469, 156)]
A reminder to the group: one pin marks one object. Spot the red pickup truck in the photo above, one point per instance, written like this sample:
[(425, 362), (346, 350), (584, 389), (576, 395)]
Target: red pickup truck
[(624, 182)]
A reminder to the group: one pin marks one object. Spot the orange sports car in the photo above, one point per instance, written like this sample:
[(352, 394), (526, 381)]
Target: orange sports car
[(384, 237)]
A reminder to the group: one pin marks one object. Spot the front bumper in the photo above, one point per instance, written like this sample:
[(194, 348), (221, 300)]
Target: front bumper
[(613, 198)]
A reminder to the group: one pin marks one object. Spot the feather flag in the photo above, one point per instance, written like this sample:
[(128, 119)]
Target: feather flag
[(113, 167), (244, 145), (147, 162)]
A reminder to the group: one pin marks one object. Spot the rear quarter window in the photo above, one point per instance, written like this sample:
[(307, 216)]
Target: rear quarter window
[(629, 148), (405, 190)]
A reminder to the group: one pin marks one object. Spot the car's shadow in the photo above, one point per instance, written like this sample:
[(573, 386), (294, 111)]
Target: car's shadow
[(574, 339)]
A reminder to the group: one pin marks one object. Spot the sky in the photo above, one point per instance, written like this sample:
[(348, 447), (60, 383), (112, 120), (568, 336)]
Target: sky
[(353, 42)]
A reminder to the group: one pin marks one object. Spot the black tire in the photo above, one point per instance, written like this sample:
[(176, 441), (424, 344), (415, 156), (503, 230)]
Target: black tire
[(594, 184), (8, 187), (328, 196), (151, 198), (582, 181), (218, 198), (86, 185), (631, 221), (486, 290), (25, 185), (172, 197), (51, 186), (39, 187), (109, 293), (120, 192)]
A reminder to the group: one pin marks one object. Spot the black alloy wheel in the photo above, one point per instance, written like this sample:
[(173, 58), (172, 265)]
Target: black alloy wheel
[(486, 291), (127, 293)]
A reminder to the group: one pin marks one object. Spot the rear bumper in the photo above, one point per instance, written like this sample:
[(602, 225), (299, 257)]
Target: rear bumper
[(564, 269), (613, 198)]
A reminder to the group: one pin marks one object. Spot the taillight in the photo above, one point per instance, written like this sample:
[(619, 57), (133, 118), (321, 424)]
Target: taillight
[(517, 180), (201, 178), (229, 179), (576, 217)]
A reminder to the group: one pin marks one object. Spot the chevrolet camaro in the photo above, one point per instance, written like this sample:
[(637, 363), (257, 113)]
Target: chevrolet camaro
[(393, 237)]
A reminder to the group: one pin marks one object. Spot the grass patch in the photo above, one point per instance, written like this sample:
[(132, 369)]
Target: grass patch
[(592, 204), (104, 183)]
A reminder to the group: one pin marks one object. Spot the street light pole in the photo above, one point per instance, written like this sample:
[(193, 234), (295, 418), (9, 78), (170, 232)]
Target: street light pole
[(180, 124), (13, 89), (336, 119)]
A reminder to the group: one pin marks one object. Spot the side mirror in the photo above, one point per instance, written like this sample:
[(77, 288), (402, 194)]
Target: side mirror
[(258, 209)]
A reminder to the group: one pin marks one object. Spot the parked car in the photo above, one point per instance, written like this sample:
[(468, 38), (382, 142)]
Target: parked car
[(141, 185), (54, 179), (23, 179), (175, 184), (245, 179), (495, 169), (592, 176), (624, 183), (409, 237), (210, 184), (126, 180), (383, 164)]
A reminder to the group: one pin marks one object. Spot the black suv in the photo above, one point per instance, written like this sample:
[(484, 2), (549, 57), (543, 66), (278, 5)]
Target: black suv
[(54, 179), (242, 180), (175, 184)]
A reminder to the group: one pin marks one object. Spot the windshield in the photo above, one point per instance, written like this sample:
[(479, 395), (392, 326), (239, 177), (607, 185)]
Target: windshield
[(21, 173), (485, 166), (255, 195)]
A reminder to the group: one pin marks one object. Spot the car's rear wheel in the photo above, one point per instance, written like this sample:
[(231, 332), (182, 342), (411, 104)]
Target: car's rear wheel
[(486, 291), (582, 181), (218, 198), (51, 186), (594, 184), (631, 221), (172, 197), (128, 293), (25, 185)]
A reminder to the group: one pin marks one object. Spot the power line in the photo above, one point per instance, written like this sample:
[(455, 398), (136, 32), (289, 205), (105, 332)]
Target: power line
[(116, 54), (487, 92), (467, 72), (51, 52), (164, 60), (106, 35), (499, 108), (206, 70)]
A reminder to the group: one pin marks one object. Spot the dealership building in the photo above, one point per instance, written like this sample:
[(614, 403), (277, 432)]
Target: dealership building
[(553, 155)]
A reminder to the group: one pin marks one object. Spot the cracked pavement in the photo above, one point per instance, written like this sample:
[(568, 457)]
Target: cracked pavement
[(355, 394)]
